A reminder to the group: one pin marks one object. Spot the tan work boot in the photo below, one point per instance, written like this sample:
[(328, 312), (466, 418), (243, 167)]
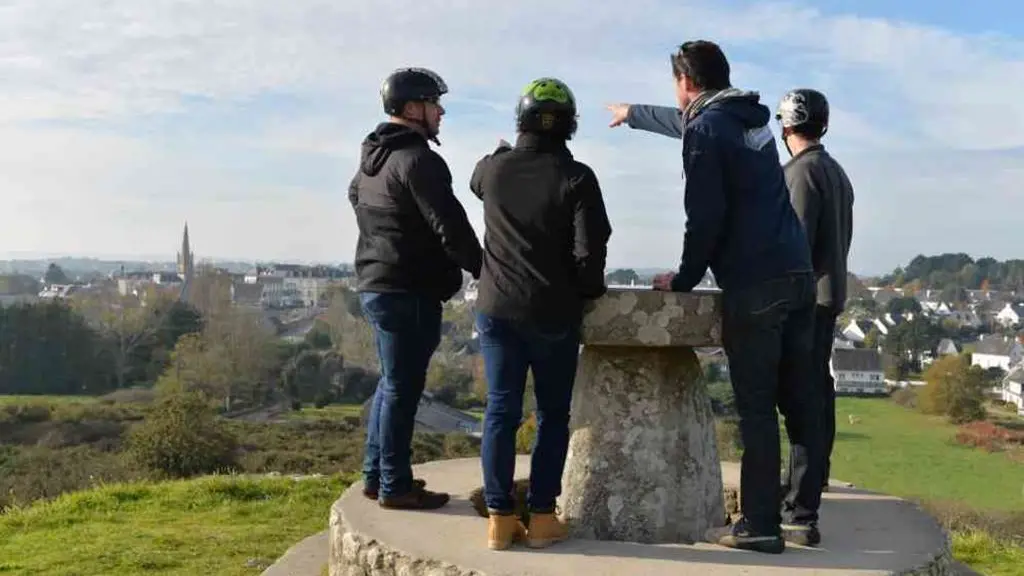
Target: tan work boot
[(545, 530), (503, 530)]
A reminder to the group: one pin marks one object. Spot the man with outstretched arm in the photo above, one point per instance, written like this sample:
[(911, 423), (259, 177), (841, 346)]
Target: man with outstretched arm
[(739, 221), (414, 242)]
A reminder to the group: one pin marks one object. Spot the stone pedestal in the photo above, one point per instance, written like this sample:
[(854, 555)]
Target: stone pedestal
[(643, 464)]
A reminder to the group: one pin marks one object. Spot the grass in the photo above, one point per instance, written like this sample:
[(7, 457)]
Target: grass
[(986, 555), (898, 451), (214, 525), (330, 412), (44, 399)]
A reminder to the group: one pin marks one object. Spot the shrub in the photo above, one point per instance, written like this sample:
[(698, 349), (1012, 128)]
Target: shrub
[(182, 437), (988, 436), (728, 439), (29, 474), (955, 389), (906, 397), (526, 434), (458, 445)]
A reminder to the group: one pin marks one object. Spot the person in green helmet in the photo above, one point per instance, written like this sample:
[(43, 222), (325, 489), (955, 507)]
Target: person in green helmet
[(545, 245)]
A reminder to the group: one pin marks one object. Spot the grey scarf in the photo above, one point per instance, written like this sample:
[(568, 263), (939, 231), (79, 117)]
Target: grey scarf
[(707, 97)]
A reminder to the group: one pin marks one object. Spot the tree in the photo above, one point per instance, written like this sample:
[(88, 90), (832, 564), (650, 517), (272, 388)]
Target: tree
[(55, 275), (624, 276), (46, 348), (233, 358), (904, 305), (873, 338), (955, 389), (139, 329)]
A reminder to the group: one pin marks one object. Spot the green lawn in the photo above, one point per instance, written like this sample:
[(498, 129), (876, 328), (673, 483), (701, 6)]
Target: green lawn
[(895, 450), (329, 412), (214, 525), (21, 400)]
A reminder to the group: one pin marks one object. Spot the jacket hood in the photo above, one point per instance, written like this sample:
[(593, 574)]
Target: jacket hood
[(742, 104), (385, 138)]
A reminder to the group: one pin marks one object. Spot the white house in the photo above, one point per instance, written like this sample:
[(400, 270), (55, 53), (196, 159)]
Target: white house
[(858, 371), (1010, 315), (997, 352), (1013, 388)]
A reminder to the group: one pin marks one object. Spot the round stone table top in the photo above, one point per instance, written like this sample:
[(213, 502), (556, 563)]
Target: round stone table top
[(653, 318)]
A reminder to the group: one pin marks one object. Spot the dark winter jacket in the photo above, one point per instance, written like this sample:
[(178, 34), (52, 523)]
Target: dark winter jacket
[(414, 235), (546, 233), (739, 220), (823, 198)]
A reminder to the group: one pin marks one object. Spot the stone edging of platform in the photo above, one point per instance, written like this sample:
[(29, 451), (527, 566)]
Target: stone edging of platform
[(369, 557)]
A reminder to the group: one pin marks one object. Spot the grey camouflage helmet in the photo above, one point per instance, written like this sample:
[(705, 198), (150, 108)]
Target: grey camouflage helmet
[(803, 106)]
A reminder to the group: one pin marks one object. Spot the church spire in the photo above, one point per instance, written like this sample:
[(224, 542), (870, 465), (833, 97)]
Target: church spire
[(186, 264)]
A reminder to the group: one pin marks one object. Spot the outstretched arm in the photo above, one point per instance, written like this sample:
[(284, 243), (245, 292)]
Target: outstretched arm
[(664, 120)]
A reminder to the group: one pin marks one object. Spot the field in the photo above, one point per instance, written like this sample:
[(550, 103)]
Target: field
[(214, 525), (895, 450)]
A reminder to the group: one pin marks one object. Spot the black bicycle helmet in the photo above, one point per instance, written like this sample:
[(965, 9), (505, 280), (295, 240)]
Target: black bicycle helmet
[(410, 85), (547, 105)]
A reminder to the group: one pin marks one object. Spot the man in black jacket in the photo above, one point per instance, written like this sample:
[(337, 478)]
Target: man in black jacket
[(739, 221), (414, 242), (545, 246), (823, 198)]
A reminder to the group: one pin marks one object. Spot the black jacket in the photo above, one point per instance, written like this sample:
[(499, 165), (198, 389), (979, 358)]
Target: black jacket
[(413, 233), (823, 198), (546, 233)]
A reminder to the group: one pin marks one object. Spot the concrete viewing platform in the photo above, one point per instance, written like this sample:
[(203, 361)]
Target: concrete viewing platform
[(642, 480), (863, 534)]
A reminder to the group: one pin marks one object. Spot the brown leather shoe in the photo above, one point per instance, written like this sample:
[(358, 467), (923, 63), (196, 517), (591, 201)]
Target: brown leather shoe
[(371, 493), (415, 499), (545, 530), (503, 530)]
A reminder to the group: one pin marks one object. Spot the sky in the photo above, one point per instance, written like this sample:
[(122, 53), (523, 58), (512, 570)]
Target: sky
[(121, 120)]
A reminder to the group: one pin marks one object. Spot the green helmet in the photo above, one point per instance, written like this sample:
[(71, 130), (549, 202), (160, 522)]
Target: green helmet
[(547, 105)]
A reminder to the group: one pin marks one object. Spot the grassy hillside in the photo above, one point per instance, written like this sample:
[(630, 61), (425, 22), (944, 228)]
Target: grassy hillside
[(898, 451), (215, 525)]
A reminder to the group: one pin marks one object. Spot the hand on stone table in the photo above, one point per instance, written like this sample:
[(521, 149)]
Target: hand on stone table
[(664, 281)]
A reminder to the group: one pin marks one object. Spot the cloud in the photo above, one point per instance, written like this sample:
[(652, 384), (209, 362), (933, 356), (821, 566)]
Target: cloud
[(119, 120)]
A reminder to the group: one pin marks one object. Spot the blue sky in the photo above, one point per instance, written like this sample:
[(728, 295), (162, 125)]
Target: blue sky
[(120, 121)]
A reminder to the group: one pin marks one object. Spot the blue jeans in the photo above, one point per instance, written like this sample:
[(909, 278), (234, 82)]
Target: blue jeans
[(407, 329), (509, 350)]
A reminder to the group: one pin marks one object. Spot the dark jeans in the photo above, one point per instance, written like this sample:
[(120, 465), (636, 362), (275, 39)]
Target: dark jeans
[(509, 350), (767, 332), (407, 328), (824, 335)]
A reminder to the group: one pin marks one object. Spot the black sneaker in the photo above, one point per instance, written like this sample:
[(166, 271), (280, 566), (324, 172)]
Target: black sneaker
[(415, 499), (802, 534), (371, 492), (741, 537)]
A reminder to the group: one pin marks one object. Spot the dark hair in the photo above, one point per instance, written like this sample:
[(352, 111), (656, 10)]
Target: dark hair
[(809, 130), (704, 63)]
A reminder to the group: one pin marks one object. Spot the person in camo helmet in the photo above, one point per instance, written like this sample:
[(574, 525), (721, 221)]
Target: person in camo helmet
[(414, 243), (545, 245), (822, 195)]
